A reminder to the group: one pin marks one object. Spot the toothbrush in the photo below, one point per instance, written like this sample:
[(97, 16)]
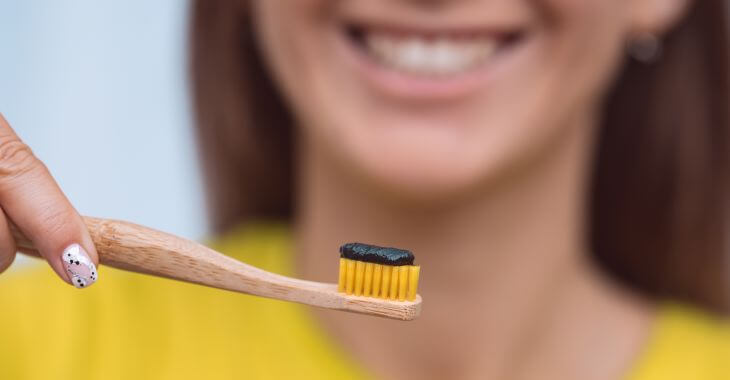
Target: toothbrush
[(135, 248)]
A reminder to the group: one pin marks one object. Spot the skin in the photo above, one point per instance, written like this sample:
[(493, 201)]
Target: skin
[(31, 199), (487, 189)]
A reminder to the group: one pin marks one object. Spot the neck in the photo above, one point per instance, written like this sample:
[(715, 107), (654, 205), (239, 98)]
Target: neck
[(490, 260)]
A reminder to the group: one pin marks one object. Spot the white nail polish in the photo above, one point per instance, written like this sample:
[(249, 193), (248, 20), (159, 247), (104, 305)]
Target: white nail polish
[(81, 270)]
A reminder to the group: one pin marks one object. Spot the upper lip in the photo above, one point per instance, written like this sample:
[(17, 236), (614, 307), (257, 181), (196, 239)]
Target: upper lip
[(431, 23), (432, 31)]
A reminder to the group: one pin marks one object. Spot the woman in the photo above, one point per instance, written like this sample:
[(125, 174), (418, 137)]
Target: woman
[(557, 195)]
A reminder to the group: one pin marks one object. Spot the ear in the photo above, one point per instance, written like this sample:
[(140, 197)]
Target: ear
[(656, 16)]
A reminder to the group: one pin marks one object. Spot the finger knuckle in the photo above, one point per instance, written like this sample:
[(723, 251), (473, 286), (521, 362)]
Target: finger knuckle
[(16, 158), (55, 221)]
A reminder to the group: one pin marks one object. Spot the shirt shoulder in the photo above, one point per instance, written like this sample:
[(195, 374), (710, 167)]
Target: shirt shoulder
[(686, 344)]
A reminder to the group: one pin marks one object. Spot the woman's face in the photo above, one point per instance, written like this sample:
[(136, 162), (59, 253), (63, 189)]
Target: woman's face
[(430, 98)]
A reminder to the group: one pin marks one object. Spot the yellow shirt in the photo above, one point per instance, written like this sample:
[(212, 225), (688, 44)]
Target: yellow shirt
[(129, 326)]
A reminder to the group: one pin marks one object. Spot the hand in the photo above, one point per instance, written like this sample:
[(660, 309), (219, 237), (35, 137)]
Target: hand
[(31, 199)]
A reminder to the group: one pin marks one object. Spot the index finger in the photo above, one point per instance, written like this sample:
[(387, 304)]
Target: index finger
[(32, 200)]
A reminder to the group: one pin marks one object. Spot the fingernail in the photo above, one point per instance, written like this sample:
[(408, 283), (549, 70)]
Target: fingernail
[(81, 270)]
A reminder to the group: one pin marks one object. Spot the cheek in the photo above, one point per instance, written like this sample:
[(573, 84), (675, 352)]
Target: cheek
[(585, 45), (290, 35)]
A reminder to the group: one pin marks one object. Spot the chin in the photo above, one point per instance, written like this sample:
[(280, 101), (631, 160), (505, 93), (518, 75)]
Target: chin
[(423, 189), (421, 173)]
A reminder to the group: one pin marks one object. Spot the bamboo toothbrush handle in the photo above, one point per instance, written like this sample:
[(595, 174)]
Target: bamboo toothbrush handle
[(140, 249)]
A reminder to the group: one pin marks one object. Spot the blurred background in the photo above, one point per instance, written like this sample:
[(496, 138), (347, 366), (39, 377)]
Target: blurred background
[(98, 89)]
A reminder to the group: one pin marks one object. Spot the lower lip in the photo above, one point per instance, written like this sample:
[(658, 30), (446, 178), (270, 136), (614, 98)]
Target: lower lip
[(402, 85)]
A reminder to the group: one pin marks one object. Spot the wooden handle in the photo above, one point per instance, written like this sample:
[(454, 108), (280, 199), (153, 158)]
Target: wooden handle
[(135, 248)]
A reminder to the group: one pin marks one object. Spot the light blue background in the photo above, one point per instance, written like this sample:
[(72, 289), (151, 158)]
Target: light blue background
[(99, 90)]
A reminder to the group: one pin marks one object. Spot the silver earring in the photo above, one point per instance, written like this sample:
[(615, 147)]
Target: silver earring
[(645, 48)]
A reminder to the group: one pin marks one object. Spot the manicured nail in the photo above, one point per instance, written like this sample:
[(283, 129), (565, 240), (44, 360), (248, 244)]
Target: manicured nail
[(80, 268)]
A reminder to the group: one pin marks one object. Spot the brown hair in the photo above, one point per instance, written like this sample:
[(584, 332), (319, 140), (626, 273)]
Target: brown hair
[(660, 196)]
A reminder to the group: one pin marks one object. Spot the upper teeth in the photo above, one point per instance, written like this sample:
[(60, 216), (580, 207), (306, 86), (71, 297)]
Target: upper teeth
[(430, 56)]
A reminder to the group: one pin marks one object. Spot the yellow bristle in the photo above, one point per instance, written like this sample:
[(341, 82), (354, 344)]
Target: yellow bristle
[(393, 292), (413, 273), (403, 282), (377, 277), (387, 270), (350, 281), (378, 280), (368, 282), (343, 275), (359, 274)]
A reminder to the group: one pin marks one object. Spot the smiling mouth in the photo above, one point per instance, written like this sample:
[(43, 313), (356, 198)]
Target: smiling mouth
[(434, 55)]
